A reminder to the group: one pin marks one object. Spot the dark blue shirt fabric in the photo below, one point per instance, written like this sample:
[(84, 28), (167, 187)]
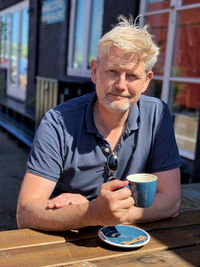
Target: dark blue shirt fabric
[(69, 150)]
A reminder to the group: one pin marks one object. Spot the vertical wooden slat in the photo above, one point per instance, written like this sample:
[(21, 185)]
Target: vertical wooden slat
[(46, 93), (37, 102), (47, 96), (41, 97), (55, 94)]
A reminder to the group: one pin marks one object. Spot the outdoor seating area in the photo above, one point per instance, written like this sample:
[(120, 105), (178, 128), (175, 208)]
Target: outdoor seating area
[(173, 242), (84, 248), (99, 133)]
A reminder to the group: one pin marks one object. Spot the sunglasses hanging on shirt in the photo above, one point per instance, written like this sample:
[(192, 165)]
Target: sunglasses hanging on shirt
[(112, 162), (112, 165)]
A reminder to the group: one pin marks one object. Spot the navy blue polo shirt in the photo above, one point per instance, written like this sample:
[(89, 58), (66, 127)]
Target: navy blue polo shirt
[(69, 150)]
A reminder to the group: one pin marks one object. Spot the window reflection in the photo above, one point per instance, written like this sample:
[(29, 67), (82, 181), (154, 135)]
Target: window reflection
[(95, 28), (6, 39), (1, 38), (189, 2), (186, 56), (184, 97), (186, 128), (152, 5), (24, 50), (154, 88), (158, 28), (80, 19), (14, 42)]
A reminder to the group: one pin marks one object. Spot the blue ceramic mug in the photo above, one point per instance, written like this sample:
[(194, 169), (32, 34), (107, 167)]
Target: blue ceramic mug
[(143, 187)]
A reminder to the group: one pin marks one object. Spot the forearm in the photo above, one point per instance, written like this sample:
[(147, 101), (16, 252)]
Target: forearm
[(35, 214), (163, 207)]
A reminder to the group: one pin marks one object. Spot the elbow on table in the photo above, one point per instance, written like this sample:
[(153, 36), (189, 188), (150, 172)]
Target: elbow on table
[(176, 206), (19, 218), (22, 218)]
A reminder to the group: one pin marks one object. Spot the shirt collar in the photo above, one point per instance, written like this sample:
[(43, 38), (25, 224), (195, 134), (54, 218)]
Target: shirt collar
[(133, 118)]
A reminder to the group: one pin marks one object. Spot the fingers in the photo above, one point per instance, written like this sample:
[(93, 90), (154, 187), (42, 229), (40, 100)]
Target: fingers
[(59, 203), (116, 190), (114, 184), (113, 203), (66, 199), (120, 199)]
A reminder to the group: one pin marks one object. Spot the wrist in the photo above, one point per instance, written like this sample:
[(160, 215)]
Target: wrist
[(92, 214)]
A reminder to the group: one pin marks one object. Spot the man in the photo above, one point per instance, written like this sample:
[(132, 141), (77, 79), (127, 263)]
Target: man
[(67, 184)]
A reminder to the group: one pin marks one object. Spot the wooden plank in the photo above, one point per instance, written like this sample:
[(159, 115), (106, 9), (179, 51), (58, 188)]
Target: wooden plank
[(189, 217), (187, 204), (186, 257), (192, 192), (27, 237), (94, 249)]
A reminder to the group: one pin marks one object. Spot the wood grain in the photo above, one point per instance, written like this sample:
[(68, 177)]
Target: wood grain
[(94, 249)]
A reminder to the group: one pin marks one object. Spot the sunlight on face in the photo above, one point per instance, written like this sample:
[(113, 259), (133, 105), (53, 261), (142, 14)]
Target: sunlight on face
[(120, 79)]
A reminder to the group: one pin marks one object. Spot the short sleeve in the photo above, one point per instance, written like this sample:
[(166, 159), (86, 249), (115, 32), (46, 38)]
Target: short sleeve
[(164, 154), (47, 152)]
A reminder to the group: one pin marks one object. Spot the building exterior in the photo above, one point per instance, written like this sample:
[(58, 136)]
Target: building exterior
[(46, 47)]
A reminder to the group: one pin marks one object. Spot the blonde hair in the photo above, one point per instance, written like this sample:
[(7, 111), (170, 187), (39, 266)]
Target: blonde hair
[(129, 37)]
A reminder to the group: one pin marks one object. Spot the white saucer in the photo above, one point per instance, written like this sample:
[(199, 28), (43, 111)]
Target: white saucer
[(119, 234)]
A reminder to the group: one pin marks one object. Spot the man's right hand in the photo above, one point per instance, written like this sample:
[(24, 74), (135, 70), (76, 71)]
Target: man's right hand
[(113, 203)]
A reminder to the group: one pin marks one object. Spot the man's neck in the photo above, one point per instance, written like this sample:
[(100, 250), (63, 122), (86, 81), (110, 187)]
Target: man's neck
[(110, 123)]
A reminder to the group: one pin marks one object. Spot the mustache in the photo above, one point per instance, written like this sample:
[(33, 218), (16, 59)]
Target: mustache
[(118, 93)]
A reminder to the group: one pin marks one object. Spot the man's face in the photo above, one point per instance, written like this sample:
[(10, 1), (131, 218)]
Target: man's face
[(120, 79)]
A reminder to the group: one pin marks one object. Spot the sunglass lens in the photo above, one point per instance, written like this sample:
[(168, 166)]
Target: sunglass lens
[(112, 162)]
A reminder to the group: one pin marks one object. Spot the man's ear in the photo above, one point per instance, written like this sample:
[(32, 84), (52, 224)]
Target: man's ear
[(148, 79), (93, 65)]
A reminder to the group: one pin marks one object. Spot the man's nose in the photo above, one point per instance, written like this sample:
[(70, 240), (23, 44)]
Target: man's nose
[(121, 82)]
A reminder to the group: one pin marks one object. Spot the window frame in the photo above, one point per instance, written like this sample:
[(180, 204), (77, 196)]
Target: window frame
[(14, 91), (83, 71), (166, 78)]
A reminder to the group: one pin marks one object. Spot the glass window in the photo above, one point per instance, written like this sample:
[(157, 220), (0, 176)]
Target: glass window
[(4, 44), (14, 45), (178, 64), (6, 39), (85, 32), (152, 5), (24, 50), (154, 88), (186, 58), (95, 28), (158, 27), (79, 34), (186, 132), (184, 97), (1, 39), (14, 52), (189, 2)]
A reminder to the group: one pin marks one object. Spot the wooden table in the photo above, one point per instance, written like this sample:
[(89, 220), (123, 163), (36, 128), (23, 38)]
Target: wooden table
[(190, 196), (174, 242)]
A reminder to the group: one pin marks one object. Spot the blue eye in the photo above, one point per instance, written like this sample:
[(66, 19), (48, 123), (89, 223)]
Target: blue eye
[(132, 77)]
